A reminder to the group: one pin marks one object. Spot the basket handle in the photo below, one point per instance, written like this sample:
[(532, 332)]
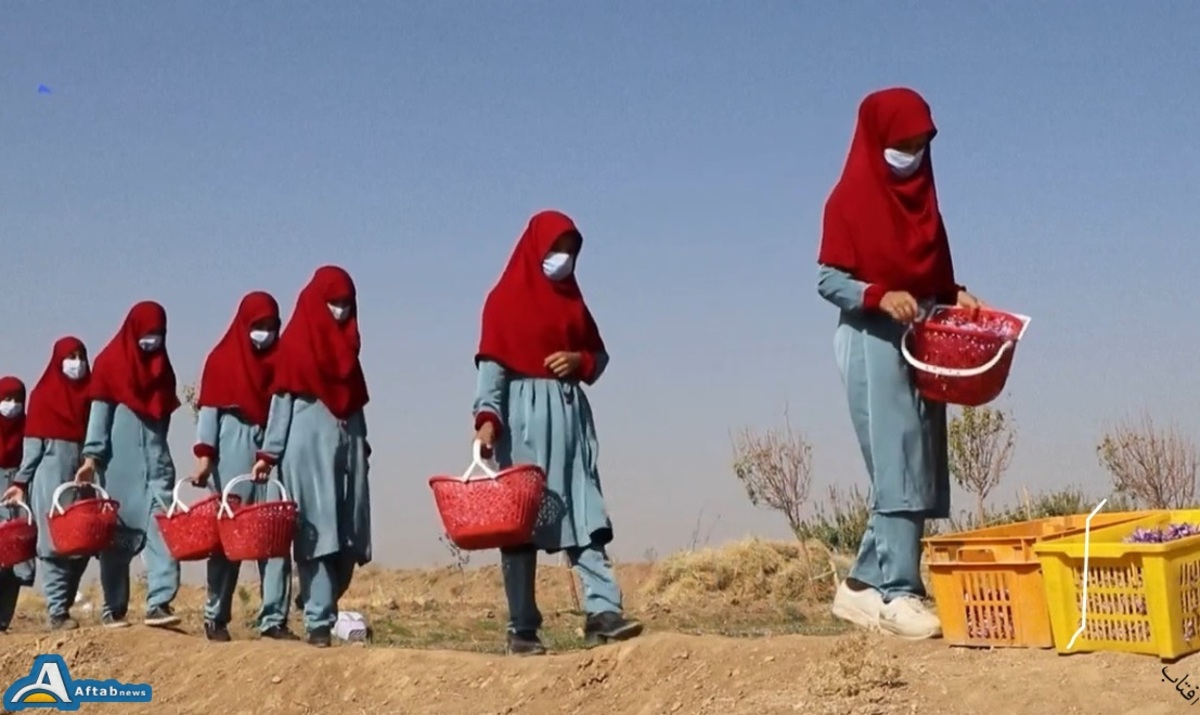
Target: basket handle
[(477, 461), (951, 371), (976, 554), (177, 503), (23, 505), (61, 488), (225, 511)]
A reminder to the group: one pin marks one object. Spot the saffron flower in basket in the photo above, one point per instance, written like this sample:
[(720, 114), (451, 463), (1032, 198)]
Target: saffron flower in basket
[(1170, 532)]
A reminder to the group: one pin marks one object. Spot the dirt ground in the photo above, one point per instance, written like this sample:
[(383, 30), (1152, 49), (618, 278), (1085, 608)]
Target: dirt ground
[(737, 630)]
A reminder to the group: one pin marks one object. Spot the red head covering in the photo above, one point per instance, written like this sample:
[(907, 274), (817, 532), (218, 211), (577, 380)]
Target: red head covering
[(527, 317), (12, 430), (237, 374), (125, 374), (318, 356), (880, 228), (58, 405)]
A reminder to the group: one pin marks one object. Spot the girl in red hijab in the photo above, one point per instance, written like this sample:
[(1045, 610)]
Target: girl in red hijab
[(539, 347), (12, 435), (54, 434), (235, 395), (884, 259), (317, 436), (133, 398)]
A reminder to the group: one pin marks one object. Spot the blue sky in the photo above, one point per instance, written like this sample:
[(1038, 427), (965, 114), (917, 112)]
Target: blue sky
[(194, 151)]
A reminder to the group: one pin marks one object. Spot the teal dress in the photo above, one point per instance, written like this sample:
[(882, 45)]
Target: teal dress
[(12, 579), (134, 465), (47, 464), (235, 443), (901, 434), (549, 423), (323, 462)]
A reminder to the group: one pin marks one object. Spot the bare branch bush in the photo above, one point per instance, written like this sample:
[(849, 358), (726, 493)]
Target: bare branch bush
[(1155, 466), (775, 468), (981, 444)]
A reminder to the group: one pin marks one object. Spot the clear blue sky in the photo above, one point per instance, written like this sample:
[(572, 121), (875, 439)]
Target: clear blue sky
[(193, 151)]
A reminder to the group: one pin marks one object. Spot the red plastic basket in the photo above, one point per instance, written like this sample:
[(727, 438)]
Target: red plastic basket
[(493, 510), (256, 532), (191, 532), (86, 527), (962, 356), (18, 538)]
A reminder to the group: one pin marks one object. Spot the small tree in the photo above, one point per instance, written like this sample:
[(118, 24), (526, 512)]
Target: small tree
[(191, 398), (1154, 466), (775, 467), (981, 444)]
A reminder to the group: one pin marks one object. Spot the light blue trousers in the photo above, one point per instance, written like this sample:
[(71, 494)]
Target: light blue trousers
[(162, 574), (323, 582), (60, 583), (601, 594), (889, 559), (10, 590), (275, 587)]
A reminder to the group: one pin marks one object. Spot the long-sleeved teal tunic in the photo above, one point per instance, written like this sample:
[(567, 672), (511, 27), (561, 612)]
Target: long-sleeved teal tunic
[(902, 435), (26, 570), (236, 442), (549, 423), (133, 464), (324, 465), (47, 464)]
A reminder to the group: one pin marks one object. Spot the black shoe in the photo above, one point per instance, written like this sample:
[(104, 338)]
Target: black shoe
[(63, 623), (161, 617), (278, 633), (320, 637), (610, 627), (524, 644), (113, 620), (216, 633)]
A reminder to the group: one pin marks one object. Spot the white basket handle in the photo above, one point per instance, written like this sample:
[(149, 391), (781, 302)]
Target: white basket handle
[(23, 505), (176, 502), (477, 461), (61, 488), (225, 511), (952, 371)]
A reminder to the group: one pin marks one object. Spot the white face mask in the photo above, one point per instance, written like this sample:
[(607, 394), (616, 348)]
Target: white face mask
[(339, 312), (74, 368), (903, 165), (262, 338), (150, 343), (10, 408), (558, 266)]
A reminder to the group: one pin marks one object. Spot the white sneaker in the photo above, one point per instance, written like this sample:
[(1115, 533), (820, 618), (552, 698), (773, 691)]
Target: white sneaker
[(858, 607), (907, 617)]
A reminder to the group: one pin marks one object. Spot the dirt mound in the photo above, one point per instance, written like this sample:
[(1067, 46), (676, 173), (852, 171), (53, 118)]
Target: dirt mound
[(661, 673)]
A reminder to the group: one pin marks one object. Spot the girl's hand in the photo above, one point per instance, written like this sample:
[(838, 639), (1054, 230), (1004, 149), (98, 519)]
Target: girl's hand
[(968, 301), (486, 434), (13, 495), (86, 471), (563, 363), (203, 469), (901, 305), (261, 471)]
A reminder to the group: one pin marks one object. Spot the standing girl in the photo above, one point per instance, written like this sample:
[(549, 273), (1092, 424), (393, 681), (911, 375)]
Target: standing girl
[(54, 434), (317, 435), (538, 344), (884, 260), (12, 433), (133, 397), (235, 394)]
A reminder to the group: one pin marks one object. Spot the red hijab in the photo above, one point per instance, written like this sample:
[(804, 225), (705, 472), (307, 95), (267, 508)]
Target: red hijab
[(236, 373), (318, 356), (12, 430), (527, 317), (58, 405), (125, 374), (879, 228)]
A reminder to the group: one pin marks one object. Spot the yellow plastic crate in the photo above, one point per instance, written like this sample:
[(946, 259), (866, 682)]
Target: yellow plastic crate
[(1142, 598), (987, 583)]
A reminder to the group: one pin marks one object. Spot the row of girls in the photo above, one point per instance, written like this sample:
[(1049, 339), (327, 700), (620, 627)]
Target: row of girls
[(294, 400)]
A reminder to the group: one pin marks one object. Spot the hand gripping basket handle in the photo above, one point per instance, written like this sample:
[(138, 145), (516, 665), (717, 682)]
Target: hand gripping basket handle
[(226, 511), (58, 492), (23, 505), (477, 461)]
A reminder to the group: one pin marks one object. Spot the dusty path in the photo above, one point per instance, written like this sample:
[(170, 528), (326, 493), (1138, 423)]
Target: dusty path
[(661, 673)]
